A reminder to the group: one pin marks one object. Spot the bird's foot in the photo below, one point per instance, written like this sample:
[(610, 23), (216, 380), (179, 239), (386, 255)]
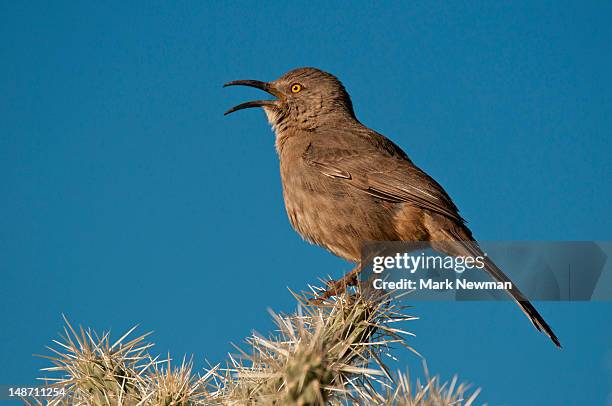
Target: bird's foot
[(335, 288)]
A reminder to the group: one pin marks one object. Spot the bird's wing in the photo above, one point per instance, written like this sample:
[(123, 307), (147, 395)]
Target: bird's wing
[(387, 177)]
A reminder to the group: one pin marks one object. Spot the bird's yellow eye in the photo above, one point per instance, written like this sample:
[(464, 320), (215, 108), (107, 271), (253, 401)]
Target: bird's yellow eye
[(296, 88)]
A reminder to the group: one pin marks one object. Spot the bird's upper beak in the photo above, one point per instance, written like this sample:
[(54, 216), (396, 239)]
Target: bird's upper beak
[(267, 87)]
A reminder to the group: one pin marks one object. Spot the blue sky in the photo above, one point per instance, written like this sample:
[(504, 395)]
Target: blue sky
[(127, 197)]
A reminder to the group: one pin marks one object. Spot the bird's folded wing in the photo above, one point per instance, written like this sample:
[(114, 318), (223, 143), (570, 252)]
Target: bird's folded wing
[(386, 177)]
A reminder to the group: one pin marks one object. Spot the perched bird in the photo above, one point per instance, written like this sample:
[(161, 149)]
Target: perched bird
[(345, 184)]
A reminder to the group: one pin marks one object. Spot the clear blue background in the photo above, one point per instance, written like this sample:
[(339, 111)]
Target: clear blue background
[(127, 197)]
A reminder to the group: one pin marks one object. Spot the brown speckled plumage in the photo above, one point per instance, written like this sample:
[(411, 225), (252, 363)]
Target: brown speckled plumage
[(344, 184)]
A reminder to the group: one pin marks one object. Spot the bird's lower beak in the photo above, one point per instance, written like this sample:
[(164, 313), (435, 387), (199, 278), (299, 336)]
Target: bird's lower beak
[(266, 87)]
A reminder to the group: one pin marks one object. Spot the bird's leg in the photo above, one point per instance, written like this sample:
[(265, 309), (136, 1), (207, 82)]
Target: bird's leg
[(338, 287)]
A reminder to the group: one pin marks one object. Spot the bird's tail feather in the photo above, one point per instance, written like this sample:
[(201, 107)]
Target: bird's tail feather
[(472, 248)]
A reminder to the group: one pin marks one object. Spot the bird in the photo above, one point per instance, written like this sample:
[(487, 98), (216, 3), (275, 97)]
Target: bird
[(345, 184)]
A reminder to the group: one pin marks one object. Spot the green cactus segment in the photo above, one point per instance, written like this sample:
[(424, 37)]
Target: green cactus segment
[(328, 354)]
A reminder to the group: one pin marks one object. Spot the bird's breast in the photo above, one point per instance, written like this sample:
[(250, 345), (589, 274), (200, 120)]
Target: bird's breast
[(329, 212)]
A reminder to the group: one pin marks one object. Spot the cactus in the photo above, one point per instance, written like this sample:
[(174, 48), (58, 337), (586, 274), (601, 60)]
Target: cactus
[(329, 354)]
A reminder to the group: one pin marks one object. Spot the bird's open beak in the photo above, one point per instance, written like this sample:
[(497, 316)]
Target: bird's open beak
[(266, 87)]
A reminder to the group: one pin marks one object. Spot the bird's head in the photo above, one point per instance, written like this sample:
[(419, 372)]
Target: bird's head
[(305, 98)]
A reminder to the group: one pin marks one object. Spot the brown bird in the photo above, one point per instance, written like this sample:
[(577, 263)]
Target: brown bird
[(345, 184)]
